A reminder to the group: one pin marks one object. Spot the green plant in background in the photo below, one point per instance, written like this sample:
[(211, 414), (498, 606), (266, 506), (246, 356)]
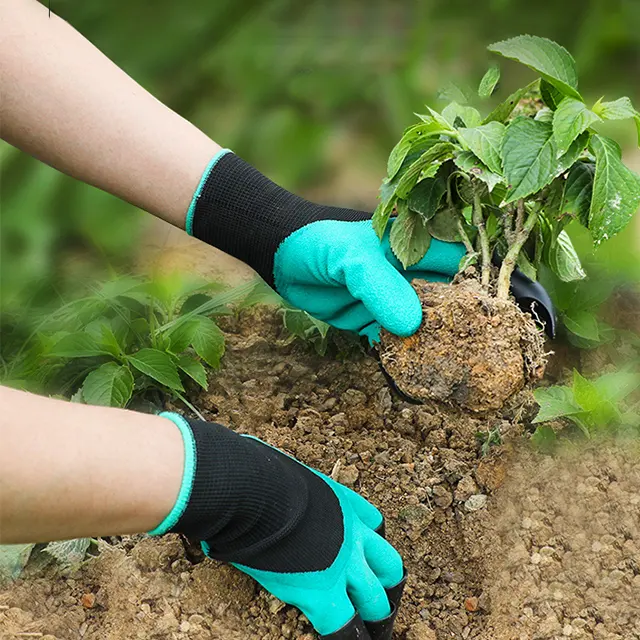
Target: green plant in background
[(603, 406), (512, 180), (130, 337)]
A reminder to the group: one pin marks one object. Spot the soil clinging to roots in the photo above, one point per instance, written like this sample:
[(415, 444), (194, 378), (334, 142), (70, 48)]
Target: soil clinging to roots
[(472, 350)]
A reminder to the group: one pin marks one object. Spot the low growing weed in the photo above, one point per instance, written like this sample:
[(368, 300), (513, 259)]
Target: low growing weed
[(128, 338)]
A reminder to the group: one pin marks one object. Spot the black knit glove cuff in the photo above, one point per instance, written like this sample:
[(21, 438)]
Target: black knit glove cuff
[(256, 506), (243, 213)]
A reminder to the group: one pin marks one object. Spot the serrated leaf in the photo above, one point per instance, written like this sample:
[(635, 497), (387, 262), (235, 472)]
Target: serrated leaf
[(13, 558), (471, 164), (577, 148), (530, 157), (544, 115), (425, 197), (550, 95), (69, 553), (485, 142), (441, 120), (77, 345), (157, 365), (410, 138), (208, 342), (489, 82), (470, 117), (502, 112), (600, 411), (544, 439), (621, 109), (616, 191), (194, 369), (576, 199), (444, 226), (409, 238), (571, 118), (564, 260), (582, 323), (110, 385), (552, 61), (181, 334), (428, 163), (555, 402)]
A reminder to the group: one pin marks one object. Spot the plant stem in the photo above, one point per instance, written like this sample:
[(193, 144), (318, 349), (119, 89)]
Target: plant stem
[(464, 237), (520, 216), (483, 239), (510, 260), (188, 404)]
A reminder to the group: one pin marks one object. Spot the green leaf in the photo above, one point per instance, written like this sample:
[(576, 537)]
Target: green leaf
[(564, 260), (409, 237), (529, 156), (441, 120), (444, 226), (209, 342), (502, 112), (555, 402), (616, 191), (194, 369), (544, 115), (425, 166), (552, 61), (486, 142), (577, 149), (489, 82), (637, 119), (413, 136), (621, 109), (544, 439), (550, 95), (616, 386), (570, 120), (425, 197), (181, 334), (600, 410), (583, 323), (13, 558), (470, 117), (77, 345), (471, 164), (576, 200), (157, 365), (69, 553), (110, 385)]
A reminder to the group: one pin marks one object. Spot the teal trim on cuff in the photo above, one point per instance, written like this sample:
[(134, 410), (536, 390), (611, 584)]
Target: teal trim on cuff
[(187, 475), (188, 225)]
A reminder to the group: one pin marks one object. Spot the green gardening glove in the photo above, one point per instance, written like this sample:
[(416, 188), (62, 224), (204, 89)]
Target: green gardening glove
[(325, 260)]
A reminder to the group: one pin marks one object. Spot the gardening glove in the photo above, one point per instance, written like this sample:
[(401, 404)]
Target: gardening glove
[(306, 539), (325, 260)]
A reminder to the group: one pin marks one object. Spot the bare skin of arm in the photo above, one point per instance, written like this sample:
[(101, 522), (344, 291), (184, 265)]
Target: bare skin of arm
[(67, 104), (71, 470)]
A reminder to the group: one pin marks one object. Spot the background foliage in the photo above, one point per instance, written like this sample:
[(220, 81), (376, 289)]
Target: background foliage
[(314, 94)]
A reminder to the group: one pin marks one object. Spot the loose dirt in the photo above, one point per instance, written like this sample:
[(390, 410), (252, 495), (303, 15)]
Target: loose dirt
[(472, 350), (509, 546)]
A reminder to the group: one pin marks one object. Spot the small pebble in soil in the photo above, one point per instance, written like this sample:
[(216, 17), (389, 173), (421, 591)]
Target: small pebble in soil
[(476, 502)]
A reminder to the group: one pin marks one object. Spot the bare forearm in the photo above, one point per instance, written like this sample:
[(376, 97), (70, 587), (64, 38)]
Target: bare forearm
[(67, 104), (70, 470)]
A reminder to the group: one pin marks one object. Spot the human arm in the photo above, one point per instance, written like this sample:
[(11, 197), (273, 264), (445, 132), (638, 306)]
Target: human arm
[(70, 470), (67, 104)]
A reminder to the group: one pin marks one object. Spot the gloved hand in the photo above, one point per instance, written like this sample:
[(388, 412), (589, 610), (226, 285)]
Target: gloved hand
[(306, 539), (325, 260)]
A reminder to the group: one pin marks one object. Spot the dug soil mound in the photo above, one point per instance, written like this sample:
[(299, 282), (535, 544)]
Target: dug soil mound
[(472, 350), (507, 546)]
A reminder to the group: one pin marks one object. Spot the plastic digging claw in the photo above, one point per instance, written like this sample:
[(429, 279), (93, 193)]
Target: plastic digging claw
[(357, 629)]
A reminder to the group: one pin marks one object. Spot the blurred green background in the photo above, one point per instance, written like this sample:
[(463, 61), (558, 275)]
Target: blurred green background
[(313, 94)]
